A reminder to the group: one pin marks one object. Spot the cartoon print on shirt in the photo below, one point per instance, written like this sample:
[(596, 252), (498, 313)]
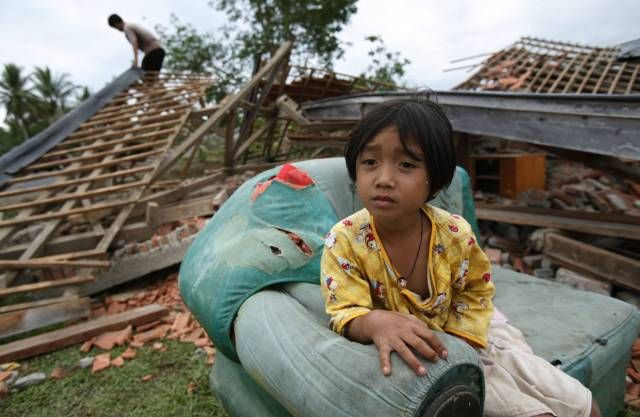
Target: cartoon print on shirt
[(438, 249), (370, 240), (330, 240), (440, 299), (462, 275), (345, 264), (458, 308), (365, 235), (332, 285), (453, 228), (347, 222)]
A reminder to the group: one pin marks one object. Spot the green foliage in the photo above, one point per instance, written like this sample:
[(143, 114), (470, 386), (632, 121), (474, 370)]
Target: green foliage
[(265, 24), (203, 53), (31, 102), (386, 66)]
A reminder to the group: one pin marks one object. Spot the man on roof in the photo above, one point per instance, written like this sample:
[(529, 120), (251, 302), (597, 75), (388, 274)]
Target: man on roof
[(140, 39)]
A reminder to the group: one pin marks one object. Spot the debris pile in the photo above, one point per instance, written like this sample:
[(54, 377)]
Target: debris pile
[(176, 323)]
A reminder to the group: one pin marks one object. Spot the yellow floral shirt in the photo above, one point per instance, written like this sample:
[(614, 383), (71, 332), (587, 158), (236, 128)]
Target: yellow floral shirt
[(357, 276)]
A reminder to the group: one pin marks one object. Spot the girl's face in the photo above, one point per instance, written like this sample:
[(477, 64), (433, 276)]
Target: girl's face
[(390, 182)]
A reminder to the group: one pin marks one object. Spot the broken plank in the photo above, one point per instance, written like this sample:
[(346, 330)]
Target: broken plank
[(22, 321), (78, 333), (593, 261), (38, 286), (602, 228), (157, 215), (39, 303), (52, 263)]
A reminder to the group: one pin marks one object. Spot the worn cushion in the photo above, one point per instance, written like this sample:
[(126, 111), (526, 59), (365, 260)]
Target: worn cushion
[(587, 335)]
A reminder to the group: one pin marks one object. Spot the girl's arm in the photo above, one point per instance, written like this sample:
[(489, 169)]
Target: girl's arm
[(348, 302)]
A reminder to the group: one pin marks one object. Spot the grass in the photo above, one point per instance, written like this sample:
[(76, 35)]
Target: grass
[(629, 413), (119, 391)]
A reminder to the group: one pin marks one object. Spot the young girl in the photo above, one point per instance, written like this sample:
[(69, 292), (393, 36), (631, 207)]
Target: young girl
[(400, 269)]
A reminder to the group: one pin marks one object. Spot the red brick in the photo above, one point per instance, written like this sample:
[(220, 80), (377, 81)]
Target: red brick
[(86, 346), (101, 362), (57, 373), (117, 362), (128, 354)]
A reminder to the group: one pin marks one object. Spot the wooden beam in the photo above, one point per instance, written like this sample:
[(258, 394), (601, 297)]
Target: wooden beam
[(602, 228), (229, 139), (39, 286), (591, 260), (53, 263), (39, 303), (157, 215), (289, 108), (79, 333), (22, 321), (255, 136)]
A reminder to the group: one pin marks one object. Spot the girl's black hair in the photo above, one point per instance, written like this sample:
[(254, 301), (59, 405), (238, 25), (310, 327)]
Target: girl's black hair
[(417, 119)]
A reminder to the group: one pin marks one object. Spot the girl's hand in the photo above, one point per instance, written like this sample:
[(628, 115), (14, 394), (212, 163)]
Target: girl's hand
[(392, 331)]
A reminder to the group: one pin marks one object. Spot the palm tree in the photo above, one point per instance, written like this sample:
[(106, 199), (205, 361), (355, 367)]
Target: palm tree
[(84, 94), (17, 98), (53, 92)]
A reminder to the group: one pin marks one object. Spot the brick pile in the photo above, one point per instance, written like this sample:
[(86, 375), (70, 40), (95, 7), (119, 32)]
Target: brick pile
[(178, 325), (572, 186)]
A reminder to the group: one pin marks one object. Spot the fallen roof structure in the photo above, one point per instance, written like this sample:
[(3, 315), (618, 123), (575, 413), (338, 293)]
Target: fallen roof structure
[(541, 66)]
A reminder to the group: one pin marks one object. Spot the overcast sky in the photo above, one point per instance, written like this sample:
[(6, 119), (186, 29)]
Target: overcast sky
[(72, 36)]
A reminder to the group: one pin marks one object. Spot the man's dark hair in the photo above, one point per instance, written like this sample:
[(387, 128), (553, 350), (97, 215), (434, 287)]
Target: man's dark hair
[(417, 119), (114, 20)]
